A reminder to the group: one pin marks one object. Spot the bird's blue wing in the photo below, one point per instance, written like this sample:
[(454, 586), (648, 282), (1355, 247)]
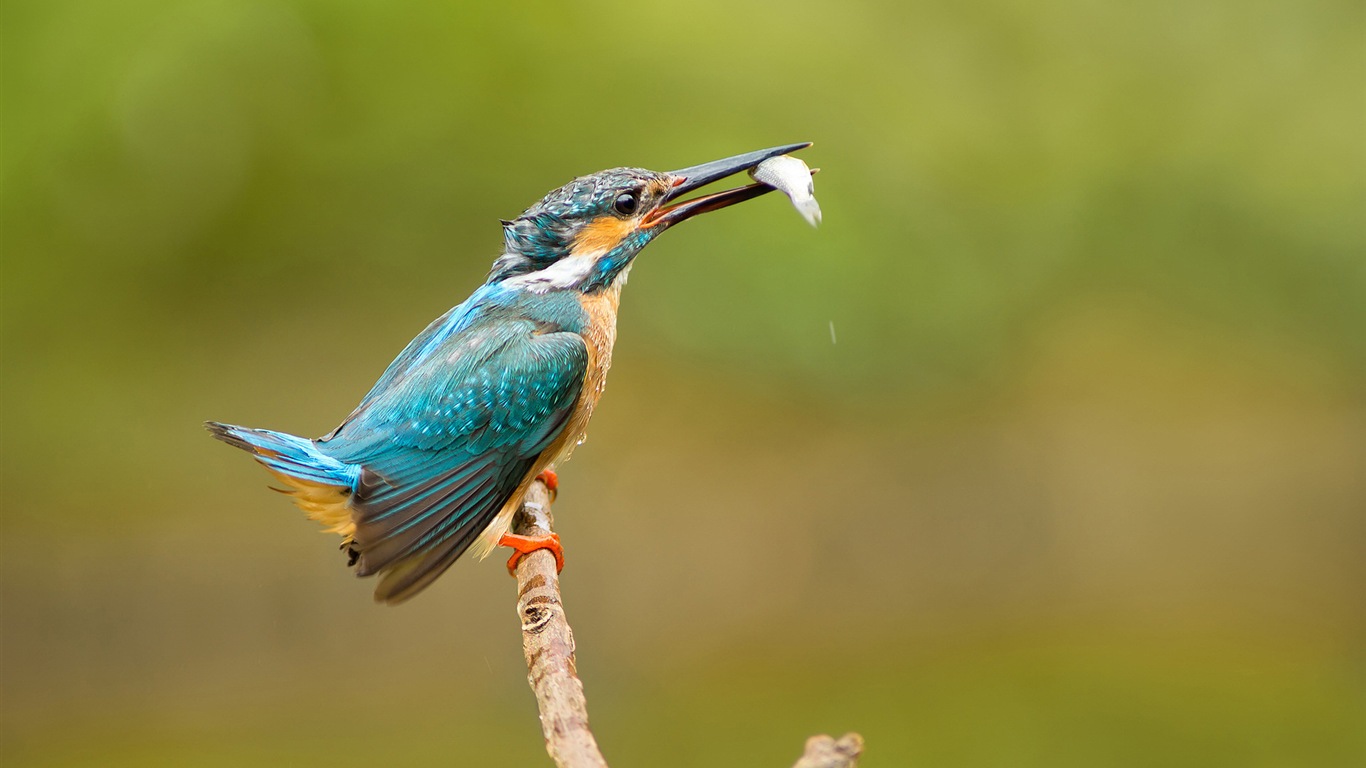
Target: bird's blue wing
[(455, 320), (449, 439)]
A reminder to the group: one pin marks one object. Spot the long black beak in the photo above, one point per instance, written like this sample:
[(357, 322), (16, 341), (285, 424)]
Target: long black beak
[(689, 179)]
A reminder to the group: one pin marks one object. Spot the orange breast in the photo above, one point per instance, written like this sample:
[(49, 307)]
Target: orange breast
[(600, 335)]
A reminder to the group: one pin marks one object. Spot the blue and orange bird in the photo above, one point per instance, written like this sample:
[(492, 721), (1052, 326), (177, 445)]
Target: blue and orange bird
[(437, 457)]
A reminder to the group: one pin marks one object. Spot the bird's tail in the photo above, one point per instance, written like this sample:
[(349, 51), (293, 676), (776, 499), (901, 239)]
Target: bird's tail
[(320, 485)]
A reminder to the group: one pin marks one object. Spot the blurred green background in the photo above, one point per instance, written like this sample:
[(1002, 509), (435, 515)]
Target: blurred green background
[(1046, 449)]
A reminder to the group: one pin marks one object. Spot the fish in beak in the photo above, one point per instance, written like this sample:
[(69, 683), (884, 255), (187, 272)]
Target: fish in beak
[(686, 180)]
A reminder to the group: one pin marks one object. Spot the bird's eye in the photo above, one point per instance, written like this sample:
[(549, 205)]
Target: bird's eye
[(626, 203)]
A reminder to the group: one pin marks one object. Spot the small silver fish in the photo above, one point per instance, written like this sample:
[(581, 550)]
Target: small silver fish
[(790, 176)]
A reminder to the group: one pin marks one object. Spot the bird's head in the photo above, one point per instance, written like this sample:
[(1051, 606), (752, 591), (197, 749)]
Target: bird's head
[(584, 235)]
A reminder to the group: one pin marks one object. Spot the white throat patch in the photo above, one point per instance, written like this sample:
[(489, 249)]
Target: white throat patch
[(568, 272)]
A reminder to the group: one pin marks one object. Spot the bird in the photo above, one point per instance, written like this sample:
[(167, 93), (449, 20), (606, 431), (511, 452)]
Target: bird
[(436, 458)]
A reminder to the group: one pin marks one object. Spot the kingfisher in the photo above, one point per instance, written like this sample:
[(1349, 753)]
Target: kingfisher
[(437, 457)]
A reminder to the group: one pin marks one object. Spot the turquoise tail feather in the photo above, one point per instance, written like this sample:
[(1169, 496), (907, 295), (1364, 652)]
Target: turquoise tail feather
[(288, 455)]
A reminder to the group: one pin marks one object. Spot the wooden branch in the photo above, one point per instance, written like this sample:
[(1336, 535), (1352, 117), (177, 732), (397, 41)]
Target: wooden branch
[(548, 645)]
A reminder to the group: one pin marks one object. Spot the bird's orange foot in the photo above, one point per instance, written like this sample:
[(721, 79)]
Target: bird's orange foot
[(552, 482), (525, 545)]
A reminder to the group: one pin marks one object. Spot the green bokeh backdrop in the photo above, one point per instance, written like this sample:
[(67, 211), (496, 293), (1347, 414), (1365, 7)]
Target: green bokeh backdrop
[(1046, 449)]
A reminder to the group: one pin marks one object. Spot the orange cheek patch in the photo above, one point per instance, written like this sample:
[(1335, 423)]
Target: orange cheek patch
[(603, 234)]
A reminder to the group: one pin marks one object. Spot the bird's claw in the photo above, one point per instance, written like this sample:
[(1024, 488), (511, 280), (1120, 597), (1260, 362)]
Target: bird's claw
[(552, 482), (525, 545)]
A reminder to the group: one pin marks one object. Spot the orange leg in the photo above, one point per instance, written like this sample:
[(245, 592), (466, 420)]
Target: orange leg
[(525, 545), (552, 482)]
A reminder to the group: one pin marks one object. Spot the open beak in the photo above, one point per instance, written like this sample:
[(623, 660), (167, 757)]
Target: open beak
[(689, 179)]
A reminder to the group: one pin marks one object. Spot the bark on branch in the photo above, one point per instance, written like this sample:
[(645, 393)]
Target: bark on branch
[(548, 645)]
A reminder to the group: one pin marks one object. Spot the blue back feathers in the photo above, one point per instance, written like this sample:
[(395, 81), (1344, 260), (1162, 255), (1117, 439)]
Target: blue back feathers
[(446, 435)]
